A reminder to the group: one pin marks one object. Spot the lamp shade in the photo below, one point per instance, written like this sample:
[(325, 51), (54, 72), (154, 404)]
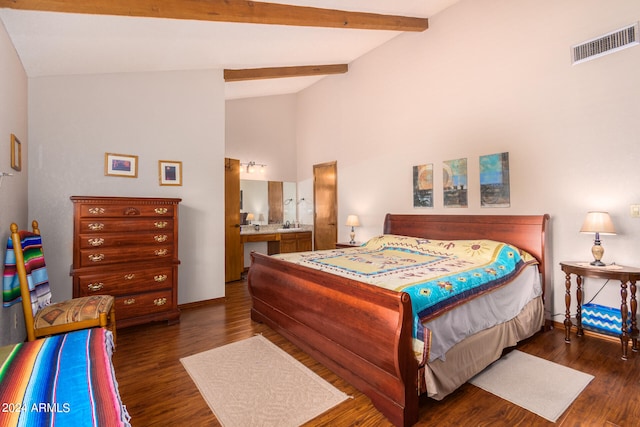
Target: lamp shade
[(598, 222), (353, 221), (250, 217)]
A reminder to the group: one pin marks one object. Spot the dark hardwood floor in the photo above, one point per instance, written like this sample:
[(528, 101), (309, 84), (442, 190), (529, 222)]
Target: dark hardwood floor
[(158, 391)]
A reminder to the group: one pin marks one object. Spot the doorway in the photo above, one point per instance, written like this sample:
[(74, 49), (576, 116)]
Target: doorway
[(325, 205)]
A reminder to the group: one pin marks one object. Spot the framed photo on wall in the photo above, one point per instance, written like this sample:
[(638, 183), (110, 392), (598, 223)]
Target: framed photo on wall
[(16, 153), (125, 165), (170, 172)]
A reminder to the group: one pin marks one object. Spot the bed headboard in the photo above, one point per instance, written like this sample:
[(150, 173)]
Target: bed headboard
[(528, 232)]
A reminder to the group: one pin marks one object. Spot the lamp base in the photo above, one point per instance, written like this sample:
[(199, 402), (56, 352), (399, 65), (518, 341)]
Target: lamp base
[(597, 251)]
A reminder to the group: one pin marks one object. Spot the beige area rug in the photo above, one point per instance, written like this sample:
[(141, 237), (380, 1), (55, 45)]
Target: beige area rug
[(542, 387), (254, 383)]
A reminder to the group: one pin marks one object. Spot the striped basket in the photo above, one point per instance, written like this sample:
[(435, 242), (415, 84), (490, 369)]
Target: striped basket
[(603, 318)]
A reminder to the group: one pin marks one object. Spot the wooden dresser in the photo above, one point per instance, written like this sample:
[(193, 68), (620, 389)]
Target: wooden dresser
[(128, 247)]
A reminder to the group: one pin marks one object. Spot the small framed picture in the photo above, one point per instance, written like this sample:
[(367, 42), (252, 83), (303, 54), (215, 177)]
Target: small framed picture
[(16, 153), (170, 172), (121, 165)]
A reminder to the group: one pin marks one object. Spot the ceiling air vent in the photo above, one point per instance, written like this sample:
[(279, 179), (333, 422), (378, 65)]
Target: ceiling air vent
[(604, 45)]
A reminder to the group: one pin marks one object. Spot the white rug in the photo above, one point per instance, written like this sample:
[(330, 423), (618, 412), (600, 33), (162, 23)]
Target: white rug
[(542, 387), (254, 383)]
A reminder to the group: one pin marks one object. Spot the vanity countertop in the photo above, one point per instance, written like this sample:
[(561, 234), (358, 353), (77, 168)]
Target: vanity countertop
[(271, 229)]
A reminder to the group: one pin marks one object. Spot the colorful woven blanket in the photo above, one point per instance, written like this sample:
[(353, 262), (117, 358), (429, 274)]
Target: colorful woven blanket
[(36, 273), (64, 380)]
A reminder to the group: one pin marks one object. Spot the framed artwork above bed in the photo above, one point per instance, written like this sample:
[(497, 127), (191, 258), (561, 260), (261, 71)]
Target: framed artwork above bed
[(423, 186), (454, 183), (495, 191)]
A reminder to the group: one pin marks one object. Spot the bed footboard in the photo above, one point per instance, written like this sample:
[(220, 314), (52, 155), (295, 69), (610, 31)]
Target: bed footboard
[(360, 332)]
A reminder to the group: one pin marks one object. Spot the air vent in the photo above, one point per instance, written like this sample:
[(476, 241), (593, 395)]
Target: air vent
[(609, 43)]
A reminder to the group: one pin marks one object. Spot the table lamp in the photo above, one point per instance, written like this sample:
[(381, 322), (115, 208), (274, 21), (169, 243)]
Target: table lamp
[(598, 223), (250, 217), (353, 221)]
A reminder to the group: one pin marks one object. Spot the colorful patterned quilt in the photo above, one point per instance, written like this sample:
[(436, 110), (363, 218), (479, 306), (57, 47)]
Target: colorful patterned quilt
[(438, 275), (64, 380)]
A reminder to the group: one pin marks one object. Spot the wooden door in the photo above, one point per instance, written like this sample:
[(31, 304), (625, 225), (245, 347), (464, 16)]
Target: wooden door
[(233, 250), (325, 197), (276, 213)]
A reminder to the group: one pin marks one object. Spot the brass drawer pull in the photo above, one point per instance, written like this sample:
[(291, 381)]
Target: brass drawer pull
[(161, 252), (96, 257), (160, 277), (161, 211), (160, 301), (96, 211), (129, 276), (130, 301), (130, 211), (99, 241), (94, 287), (96, 226), (161, 224), (160, 238)]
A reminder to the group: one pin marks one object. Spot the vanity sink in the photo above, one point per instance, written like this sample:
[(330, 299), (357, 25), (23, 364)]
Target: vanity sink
[(284, 230)]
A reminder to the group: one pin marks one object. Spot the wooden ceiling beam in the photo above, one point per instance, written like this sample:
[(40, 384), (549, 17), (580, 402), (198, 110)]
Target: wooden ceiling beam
[(240, 11), (239, 75)]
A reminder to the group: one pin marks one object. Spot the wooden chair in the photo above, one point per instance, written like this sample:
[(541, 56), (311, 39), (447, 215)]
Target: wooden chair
[(55, 318)]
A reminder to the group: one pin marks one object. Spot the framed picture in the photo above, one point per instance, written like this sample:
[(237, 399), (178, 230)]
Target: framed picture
[(16, 153), (170, 172), (121, 165), (495, 191), (454, 179), (423, 186)]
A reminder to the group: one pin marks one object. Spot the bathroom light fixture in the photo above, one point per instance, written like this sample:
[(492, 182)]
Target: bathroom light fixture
[(598, 223), (250, 167)]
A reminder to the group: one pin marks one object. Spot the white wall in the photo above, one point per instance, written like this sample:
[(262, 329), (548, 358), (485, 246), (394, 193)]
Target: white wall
[(13, 189), (179, 116), (490, 76), (263, 130)]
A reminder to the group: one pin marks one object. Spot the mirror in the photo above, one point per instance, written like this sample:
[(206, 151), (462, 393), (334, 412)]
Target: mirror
[(256, 197)]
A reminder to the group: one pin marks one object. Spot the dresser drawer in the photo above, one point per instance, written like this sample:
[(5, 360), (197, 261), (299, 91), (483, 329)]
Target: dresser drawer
[(109, 240), (102, 256), (142, 304), (100, 225), (126, 210), (124, 282)]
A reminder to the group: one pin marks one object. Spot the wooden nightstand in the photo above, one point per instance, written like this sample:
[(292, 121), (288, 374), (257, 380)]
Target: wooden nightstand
[(343, 245), (627, 277)]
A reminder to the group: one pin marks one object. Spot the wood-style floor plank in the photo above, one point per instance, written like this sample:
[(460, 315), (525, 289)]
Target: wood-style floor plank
[(158, 391)]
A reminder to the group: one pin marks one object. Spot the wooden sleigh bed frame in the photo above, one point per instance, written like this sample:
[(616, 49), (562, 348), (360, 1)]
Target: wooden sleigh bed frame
[(362, 332)]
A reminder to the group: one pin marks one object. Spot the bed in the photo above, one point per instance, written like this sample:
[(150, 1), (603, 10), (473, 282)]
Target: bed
[(364, 333), (64, 379)]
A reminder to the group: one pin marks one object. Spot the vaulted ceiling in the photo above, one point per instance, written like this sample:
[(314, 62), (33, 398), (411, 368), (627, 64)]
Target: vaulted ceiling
[(264, 48)]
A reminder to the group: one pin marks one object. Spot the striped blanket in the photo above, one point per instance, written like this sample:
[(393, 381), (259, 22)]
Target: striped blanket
[(36, 273), (65, 380)]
